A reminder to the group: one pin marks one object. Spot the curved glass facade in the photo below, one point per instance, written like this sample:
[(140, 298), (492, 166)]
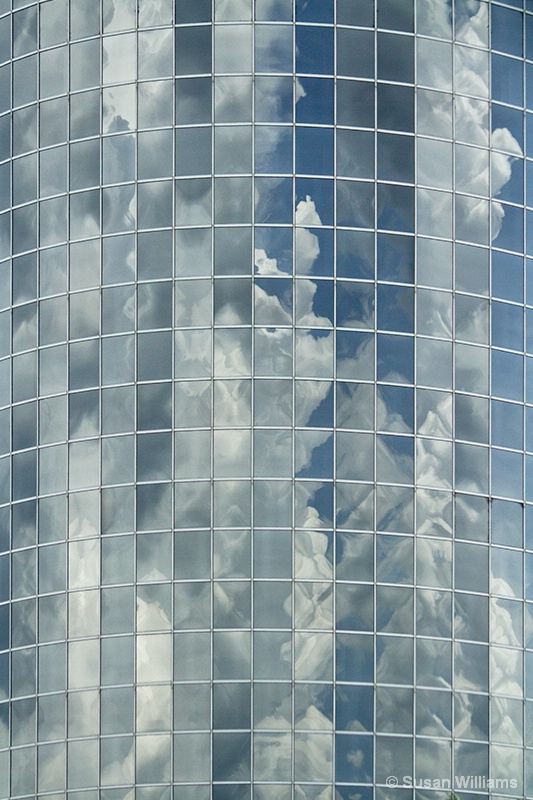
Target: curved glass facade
[(266, 477)]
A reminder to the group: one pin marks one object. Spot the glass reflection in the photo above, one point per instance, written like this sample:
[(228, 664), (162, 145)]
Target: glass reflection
[(193, 555)]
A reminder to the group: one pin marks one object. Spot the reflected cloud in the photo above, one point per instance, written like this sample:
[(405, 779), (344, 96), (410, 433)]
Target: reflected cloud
[(314, 793), (307, 244), (153, 704), (154, 12), (314, 354), (435, 414), (232, 604), (314, 759), (506, 671), (312, 555), (83, 515), (117, 15), (506, 720), (151, 616), (471, 78), (119, 109), (193, 301), (501, 168), (193, 353), (273, 351), (273, 347), (265, 265), (153, 657), (434, 463), (471, 716), (52, 768), (506, 622), (273, 302), (84, 563), (313, 504), (155, 53), (313, 605), (471, 22), (307, 293), (306, 213), (434, 18), (232, 352), (84, 613), (152, 762), (118, 763), (118, 54), (272, 756)]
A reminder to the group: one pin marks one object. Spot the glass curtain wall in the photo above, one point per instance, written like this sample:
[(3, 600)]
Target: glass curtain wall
[(266, 444)]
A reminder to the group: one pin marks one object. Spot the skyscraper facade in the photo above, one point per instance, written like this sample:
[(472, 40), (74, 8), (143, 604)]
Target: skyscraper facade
[(266, 478)]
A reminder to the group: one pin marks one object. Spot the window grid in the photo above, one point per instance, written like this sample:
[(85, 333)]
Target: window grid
[(354, 499)]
